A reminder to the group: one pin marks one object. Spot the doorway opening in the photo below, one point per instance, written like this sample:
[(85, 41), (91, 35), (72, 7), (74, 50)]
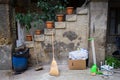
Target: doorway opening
[(113, 29)]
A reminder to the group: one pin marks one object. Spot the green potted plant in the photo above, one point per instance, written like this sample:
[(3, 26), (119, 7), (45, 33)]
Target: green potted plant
[(69, 10), (25, 20), (39, 26), (60, 12), (49, 8), (37, 23), (60, 9), (47, 12)]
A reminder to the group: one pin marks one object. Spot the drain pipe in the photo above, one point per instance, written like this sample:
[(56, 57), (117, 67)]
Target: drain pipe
[(89, 31)]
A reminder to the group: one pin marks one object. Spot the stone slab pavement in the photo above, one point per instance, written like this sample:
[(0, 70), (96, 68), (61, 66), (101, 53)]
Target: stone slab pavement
[(65, 74)]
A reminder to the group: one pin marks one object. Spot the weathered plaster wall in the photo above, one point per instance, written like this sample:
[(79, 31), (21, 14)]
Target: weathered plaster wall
[(68, 35), (5, 57), (72, 33), (4, 24), (110, 48), (98, 27), (5, 37)]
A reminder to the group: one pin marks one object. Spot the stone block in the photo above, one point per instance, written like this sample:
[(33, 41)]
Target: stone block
[(5, 33), (29, 44), (60, 25), (82, 11), (49, 31), (48, 39), (5, 57), (39, 37), (72, 17)]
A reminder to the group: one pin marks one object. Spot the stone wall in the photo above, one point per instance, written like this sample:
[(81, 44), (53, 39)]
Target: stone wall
[(98, 27), (5, 37), (68, 35), (5, 57), (4, 24), (75, 31)]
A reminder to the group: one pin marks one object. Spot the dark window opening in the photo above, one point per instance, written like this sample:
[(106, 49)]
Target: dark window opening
[(113, 21), (76, 3)]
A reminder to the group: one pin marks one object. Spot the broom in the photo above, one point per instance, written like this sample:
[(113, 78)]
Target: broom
[(94, 68), (54, 68)]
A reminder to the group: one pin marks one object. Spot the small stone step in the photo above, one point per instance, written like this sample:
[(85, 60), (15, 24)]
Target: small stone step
[(72, 17), (39, 37), (29, 44), (60, 25), (82, 11), (49, 31), (48, 40)]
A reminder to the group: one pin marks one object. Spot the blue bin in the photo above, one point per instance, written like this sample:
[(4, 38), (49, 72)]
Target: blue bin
[(19, 63), (20, 60)]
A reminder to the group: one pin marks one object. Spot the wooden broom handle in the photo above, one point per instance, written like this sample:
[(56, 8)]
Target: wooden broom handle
[(53, 45)]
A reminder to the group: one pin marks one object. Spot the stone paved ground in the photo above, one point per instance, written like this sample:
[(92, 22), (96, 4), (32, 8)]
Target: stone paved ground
[(65, 74)]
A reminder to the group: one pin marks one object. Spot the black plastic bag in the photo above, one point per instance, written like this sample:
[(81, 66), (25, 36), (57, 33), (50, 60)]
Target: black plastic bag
[(22, 53)]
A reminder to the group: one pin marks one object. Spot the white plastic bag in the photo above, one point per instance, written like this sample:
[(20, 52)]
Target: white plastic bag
[(78, 54)]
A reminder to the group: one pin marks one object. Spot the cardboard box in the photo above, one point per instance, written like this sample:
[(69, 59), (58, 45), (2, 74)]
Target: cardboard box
[(77, 64)]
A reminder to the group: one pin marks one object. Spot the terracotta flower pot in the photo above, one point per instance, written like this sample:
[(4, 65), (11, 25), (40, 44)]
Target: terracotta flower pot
[(49, 24), (69, 10), (60, 17), (28, 37), (38, 32)]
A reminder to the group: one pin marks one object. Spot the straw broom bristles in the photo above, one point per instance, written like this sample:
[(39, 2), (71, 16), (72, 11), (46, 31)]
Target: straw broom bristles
[(54, 68)]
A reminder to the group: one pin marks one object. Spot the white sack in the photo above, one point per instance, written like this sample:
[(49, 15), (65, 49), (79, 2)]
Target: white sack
[(78, 54)]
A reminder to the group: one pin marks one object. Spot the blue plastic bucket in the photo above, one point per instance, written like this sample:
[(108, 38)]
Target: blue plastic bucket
[(19, 63)]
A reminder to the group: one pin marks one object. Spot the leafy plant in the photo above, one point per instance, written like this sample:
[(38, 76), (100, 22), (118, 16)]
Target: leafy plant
[(25, 19), (49, 8), (28, 18), (48, 12), (61, 6), (37, 20), (114, 60)]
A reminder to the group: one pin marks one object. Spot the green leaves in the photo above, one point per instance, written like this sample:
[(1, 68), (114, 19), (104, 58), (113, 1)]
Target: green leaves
[(50, 7), (25, 19), (48, 12), (111, 60)]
